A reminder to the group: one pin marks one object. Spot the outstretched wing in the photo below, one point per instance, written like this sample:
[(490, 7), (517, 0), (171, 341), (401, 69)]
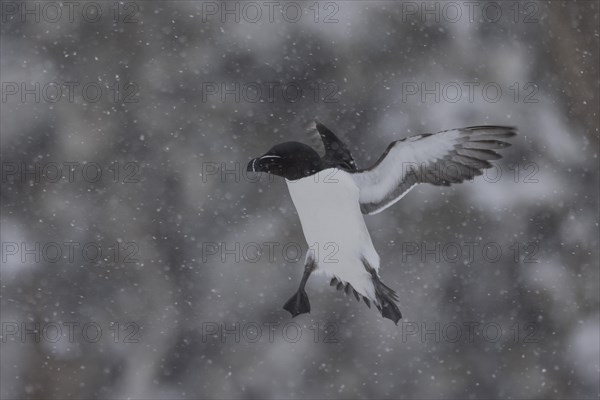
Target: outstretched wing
[(331, 148), (443, 158)]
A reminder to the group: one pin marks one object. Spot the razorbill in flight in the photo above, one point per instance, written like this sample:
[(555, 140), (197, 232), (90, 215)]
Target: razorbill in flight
[(331, 195)]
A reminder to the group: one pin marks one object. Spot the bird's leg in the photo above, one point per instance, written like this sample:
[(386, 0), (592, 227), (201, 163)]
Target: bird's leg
[(298, 303)]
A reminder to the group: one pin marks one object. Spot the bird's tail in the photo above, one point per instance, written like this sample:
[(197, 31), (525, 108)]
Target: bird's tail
[(386, 301), (385, 297)]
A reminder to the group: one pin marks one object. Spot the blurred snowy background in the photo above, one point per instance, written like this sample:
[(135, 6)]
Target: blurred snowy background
[(168, 102)]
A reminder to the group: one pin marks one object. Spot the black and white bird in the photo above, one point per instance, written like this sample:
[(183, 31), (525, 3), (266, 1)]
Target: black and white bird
[(331, 195)]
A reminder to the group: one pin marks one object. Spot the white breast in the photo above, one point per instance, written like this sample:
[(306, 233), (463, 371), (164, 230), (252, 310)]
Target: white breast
[(334, 227)]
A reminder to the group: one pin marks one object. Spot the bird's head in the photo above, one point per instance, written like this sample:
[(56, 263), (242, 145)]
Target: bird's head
[(291, 160)]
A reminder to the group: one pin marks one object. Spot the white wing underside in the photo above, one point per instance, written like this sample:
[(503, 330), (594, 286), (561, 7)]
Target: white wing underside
[(441, 159)]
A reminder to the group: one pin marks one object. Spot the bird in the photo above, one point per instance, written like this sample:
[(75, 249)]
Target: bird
[(331, 196)]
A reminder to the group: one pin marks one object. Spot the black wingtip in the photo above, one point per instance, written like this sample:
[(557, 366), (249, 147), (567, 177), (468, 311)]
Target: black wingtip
[(506, 131), (478, 127)]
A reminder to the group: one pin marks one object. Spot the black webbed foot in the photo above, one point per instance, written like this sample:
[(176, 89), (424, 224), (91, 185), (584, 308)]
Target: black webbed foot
[(298, 304)]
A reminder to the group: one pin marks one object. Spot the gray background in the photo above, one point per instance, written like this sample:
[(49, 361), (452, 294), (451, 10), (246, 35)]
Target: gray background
[(180, 209)]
